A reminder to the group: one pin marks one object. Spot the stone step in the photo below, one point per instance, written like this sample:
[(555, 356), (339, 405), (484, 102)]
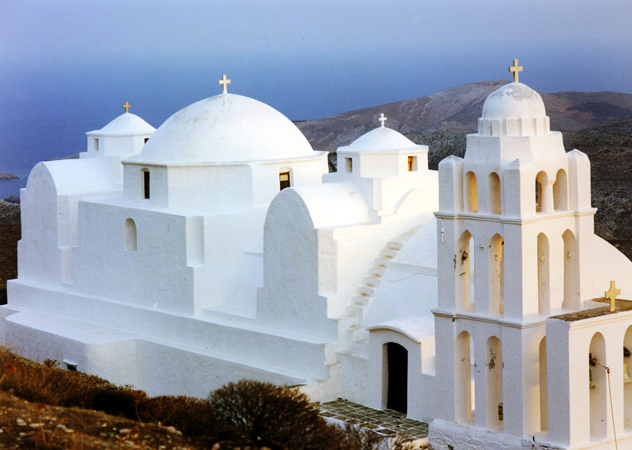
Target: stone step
[(377, 272), (382, 262), (394, 245), (366, 291), (372, 282), (388, 253), (361, 300), (361, 335)]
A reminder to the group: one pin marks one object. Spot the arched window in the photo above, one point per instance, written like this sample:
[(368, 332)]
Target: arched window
[(560, 191), (571, 272), (494, 384), (544, 402), (496, 275), (544, 299), (470, 192), (463, 382), (627, 386), (130, 235), (596, 383), (541, 181), (493, 193), (464, 271)]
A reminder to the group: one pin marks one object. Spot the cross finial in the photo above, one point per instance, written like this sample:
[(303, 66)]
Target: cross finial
[(224, 82), (612, 295), (126, 106), (382, 119), (515, 69)]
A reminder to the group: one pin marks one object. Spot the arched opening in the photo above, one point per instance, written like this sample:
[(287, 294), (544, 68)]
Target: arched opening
[(130, 235), (464, 273), (541, 181), (627, 385), (397, 377), (544, 303), (560, 191), (493, 193), (470, 192), (598, 388), (284, 180), (494, 384), (571, 272), (544, 397), (496, 275), (463, 382)]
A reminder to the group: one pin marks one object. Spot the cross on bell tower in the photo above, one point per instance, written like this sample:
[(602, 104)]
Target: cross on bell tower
[(611, 294), (126, 106), (382, 119), (515, 69), (224, 82)]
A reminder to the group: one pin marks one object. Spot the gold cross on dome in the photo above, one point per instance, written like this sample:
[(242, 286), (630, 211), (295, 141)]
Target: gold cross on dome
[(382, 119), (612, 295), (515, 69), (126, 106), (224, 82)]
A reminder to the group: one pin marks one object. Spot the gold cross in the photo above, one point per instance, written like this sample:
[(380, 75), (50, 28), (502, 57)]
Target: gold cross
[(612, 295), (382, 119), (224, 82), (515, 69), (126, 106)]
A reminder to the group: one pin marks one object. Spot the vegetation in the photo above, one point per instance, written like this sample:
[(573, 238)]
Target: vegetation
[(247, 414)]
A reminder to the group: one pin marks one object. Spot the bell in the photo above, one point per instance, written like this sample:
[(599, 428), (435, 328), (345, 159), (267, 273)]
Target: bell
[(626, 378), (592, 385)]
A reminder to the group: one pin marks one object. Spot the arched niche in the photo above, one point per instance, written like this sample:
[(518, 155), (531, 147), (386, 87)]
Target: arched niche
[(496, 275), (598, 388), (571, 272), (464, 271), (560, 191), (463, 381), (541, 180), (471, 195), (130, 235), (494, 384), (544, 291), (493, 194), (544, 398), (627, 387)]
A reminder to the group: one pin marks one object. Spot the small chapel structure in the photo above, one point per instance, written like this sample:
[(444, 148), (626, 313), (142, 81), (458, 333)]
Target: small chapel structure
[(218, 247)]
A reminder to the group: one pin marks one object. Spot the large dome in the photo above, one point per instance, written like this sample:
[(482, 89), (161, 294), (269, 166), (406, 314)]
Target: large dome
[(513, 100), (225, 128)]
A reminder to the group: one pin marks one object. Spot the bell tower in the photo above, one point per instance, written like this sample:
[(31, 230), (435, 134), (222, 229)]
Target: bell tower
[(514, 224)]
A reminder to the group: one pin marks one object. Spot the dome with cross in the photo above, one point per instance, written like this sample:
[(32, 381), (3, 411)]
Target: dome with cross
[(126, 124), (225, 128)]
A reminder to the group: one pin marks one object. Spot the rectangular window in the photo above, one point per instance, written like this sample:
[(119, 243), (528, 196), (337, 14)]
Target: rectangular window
[(284, 180), (349, 165), (96, 145), (146, 183), (412, 163)]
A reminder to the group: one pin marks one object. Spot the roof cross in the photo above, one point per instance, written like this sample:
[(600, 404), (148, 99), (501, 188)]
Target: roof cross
[(612, 295), (382, 119), (515, 69), (224, 82), (126, 106)]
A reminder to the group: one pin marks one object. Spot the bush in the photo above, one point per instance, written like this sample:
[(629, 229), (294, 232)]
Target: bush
[(192, 416), (265, 415)]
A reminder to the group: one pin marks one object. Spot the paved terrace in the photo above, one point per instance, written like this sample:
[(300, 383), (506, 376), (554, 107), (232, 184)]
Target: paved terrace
[(384, 423)]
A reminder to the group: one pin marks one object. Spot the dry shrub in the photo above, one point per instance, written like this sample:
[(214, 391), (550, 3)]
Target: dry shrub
[(262, 414), (118, 401), (192, 416)]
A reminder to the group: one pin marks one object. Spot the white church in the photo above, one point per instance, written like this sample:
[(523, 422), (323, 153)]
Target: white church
[(218, 247)]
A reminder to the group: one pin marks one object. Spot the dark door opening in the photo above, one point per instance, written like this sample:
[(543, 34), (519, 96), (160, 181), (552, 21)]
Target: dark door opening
[(397, 360)]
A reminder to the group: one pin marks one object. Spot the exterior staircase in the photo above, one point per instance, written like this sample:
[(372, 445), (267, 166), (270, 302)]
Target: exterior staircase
[(353, 336)]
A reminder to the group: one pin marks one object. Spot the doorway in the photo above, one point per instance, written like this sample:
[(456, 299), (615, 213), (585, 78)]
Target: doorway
[(397, 361)]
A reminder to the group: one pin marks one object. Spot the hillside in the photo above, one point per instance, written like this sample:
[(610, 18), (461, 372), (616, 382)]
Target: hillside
[(457, 109)]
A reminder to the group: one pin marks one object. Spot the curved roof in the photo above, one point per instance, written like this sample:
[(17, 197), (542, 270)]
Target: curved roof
[(225, 128), (513, 100), (124, 125), (381, 139)]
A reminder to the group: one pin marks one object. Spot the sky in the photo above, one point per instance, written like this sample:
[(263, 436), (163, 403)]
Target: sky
[(67, 66)]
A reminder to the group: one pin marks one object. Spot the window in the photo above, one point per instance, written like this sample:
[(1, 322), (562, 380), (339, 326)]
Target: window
[(493, 194), (412, 163), (349, 164), (130, 235), (284, 180), (146, 183), (470, 191), (145, 141), (96, 144)]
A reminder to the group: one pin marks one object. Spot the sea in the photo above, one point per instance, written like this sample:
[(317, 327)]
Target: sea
[(45, 110)]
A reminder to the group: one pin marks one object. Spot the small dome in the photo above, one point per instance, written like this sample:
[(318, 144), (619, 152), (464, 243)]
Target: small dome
[(513, 100), (225, 128), (124, 125), (381, 139)]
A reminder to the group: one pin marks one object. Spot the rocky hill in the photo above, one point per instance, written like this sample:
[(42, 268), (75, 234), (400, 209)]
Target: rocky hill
[(457, 109)]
